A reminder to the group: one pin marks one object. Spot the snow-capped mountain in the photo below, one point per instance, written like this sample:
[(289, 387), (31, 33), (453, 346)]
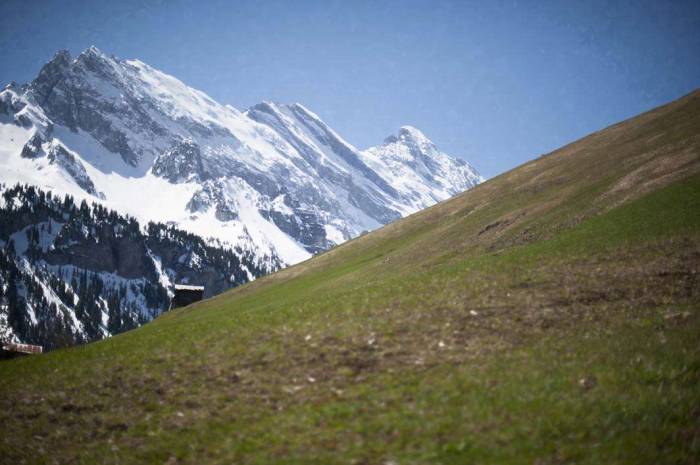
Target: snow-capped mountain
[(417, 170), (274, 180)]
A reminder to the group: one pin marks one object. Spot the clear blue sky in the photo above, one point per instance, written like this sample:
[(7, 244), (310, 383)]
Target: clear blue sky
[(497, 83)]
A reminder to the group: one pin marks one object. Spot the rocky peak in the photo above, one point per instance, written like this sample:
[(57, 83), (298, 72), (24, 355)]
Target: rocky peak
[(265, 108), (301, 109), (61, 58), (181, 163), (12, 85), (410, 161), (50, 75), (413, 139), (411, 135), (92, 58), (92, 51), (390, 139)]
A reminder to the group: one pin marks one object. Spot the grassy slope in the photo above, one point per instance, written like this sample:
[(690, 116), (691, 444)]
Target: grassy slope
[(549, 315)]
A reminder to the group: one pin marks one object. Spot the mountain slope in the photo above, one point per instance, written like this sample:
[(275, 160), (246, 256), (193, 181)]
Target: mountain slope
[(77, 273), (275, 180), (548, 315)]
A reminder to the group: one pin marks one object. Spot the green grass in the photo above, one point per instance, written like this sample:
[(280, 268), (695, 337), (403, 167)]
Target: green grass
[(459, 335), (674, 210)]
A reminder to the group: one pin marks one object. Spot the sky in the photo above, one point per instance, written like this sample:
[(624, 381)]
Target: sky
[(494, 82)]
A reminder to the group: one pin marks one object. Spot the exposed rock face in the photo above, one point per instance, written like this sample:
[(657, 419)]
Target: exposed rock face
[(302, 225), (181, 163), (50, 75), (72, 167), (101, 249), (9, 102), (33, 149), (85, 93)]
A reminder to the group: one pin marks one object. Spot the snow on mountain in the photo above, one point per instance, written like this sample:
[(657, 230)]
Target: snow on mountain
[(416, 169), (73, 273), (275, 180)]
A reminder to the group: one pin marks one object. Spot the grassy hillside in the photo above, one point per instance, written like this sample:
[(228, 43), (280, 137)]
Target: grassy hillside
[(551, 315)]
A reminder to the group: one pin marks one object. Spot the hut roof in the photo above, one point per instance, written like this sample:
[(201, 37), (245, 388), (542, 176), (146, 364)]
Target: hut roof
[(187, 287), (23, 348)]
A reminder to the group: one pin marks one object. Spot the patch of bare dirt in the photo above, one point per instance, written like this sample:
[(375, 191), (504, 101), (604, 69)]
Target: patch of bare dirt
[(660, 170)]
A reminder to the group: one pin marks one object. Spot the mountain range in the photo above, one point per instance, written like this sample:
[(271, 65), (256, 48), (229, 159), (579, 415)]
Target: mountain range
[(274, 179), (271, 185)]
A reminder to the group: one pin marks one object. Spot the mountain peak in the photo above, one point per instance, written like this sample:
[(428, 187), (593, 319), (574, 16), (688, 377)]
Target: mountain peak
[(300, 107), (410, 162), (61, 56), (410, 135), (61, 59), (51, 73), (92, 51), (92, 55), (268, 106), (410, 131)]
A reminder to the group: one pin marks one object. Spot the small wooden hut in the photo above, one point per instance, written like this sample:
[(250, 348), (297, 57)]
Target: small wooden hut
[(186, 294), (12, 349)]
